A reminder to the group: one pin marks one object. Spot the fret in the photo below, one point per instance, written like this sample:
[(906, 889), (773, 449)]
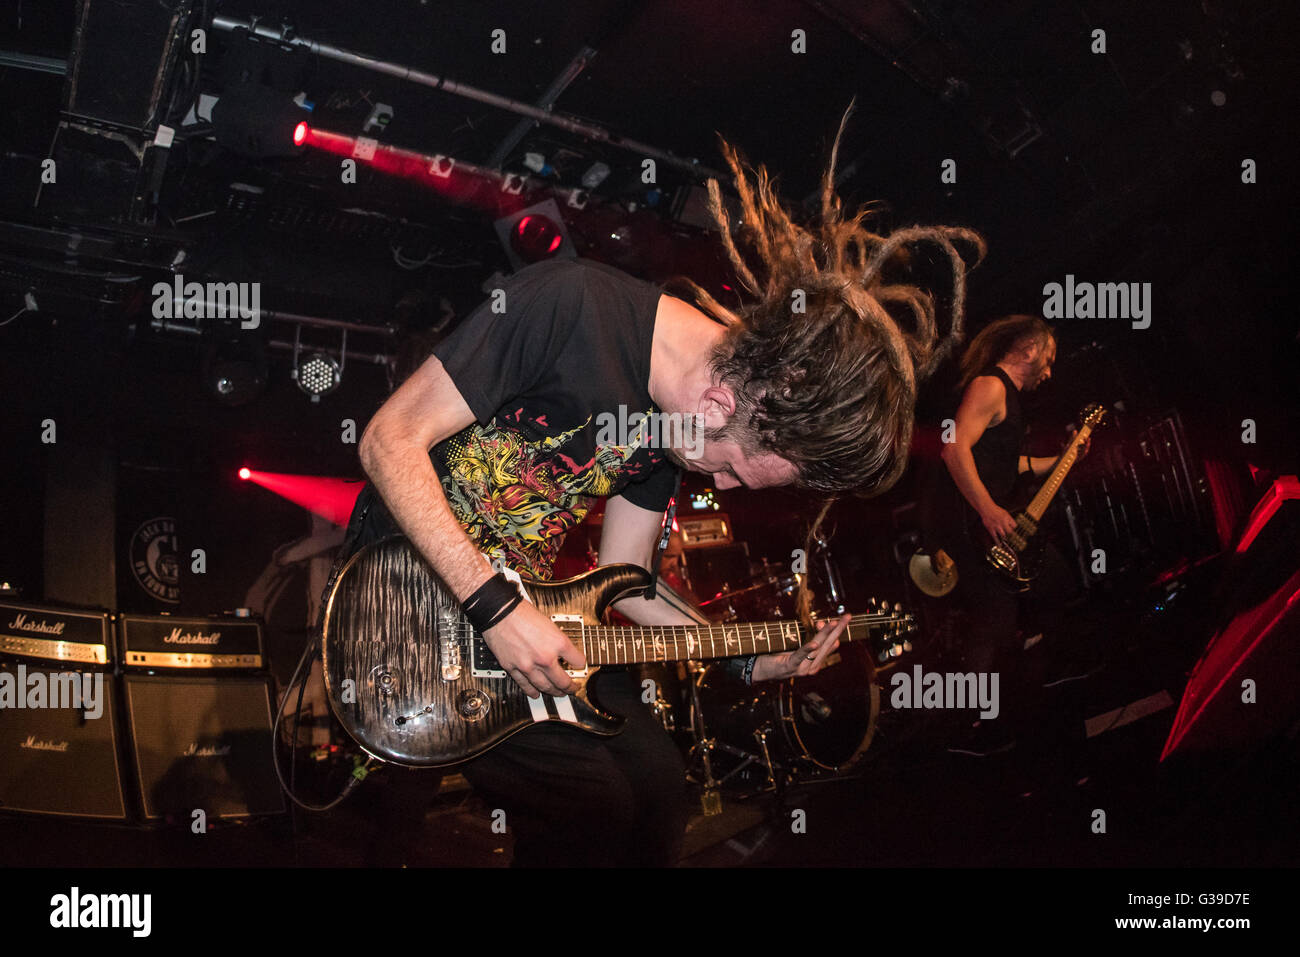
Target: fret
[(624, 644)]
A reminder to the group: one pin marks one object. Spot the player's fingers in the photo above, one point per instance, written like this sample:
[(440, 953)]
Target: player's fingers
[(524, 683), (556, 681), (573, 658)]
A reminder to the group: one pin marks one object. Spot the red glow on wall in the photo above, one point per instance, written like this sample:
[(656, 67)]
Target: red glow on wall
[(330, 498)]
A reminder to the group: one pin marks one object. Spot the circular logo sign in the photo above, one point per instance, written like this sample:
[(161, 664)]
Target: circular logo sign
[(154, 561)]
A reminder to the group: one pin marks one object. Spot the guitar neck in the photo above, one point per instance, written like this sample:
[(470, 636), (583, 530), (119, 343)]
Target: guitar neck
[(1048, 491), (638, 644)]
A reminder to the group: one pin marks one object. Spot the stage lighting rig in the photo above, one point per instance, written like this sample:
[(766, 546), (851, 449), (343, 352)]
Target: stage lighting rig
[(260, 122), (535, 233), (317, 372)]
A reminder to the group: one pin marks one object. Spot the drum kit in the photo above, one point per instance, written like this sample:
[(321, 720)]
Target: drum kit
[(765, 737)]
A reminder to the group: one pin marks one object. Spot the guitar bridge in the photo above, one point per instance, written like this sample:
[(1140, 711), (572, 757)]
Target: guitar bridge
[(450, 666)]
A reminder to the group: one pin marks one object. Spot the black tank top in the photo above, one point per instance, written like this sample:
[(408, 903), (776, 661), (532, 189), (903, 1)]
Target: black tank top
[(946, 519), (997, 453)]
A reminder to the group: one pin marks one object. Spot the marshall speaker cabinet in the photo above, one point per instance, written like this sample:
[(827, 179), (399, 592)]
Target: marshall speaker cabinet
[(199, 709), (59, 722)]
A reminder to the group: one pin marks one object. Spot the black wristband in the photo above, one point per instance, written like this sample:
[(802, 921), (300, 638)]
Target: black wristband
[(491, 602), (742, 669)]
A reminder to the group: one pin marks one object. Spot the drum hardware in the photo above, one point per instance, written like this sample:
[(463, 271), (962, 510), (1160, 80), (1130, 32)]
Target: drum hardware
[(934, 575), (834, 590)]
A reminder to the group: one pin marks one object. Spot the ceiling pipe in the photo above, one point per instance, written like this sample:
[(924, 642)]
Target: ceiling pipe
[(286, 35)]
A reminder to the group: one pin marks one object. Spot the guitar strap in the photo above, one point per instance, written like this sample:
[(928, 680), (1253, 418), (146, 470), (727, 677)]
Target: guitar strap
[(669, 517)]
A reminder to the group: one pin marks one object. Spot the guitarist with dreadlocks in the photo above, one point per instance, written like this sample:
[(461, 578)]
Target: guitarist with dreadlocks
[(492, 447)]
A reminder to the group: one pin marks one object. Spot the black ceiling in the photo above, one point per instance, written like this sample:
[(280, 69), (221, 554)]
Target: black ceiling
[(1117, 166)]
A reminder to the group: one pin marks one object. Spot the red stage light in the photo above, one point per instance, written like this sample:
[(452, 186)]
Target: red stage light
[(535, 238), (244, 474), (300, 133), (330, 498)]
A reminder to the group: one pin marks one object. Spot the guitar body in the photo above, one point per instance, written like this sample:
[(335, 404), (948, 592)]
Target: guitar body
[(1018, 558), (414, 684)]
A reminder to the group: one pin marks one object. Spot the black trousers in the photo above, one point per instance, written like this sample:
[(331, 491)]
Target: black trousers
[(572, 798), (993, 638)]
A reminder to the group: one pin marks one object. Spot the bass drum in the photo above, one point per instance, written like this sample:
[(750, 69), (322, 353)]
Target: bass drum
[(827, 720)]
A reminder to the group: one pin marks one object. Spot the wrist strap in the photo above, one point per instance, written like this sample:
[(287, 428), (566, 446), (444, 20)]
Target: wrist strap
[(742, 669), (491, 602)]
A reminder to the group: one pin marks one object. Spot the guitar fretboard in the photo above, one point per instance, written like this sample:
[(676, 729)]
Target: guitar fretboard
[(638, 644), (1040, 501)]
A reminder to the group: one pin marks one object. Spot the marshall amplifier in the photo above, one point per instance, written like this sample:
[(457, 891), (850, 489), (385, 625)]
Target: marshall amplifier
[(59, 733), (701, 531), (164, 641), (53, 633), (202, 743), (59, 742)]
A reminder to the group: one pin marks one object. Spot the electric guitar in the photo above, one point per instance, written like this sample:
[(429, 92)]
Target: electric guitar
[(1018, 556), (414, 683)]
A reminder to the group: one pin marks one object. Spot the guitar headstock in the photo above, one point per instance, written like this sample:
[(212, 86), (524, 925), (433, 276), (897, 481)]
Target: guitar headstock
[(891, 637), (1092, 416)]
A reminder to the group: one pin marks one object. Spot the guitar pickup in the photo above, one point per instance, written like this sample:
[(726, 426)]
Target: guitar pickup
[(560, 619)]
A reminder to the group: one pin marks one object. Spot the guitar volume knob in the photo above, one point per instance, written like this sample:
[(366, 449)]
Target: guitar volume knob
[(473, 705)]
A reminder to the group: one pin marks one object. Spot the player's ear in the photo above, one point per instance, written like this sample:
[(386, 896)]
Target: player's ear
[(717, 404)]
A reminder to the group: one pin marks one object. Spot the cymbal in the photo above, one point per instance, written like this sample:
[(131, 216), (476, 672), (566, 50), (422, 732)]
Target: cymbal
[(925, 578)]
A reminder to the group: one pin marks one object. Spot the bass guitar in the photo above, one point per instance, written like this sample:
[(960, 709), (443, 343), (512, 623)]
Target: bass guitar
[(414, 683), (1018, 556)]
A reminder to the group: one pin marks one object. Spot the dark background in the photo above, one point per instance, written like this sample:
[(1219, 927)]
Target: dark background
[(1114, 167)]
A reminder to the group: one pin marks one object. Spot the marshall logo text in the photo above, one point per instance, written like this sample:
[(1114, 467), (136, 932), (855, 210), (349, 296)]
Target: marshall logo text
[(22, 623), (177, 637)]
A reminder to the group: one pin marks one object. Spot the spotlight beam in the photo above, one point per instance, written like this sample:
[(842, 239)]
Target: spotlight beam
[(330, 498)]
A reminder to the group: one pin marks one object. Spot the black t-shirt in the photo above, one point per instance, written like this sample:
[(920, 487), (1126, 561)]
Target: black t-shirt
[(550, 368)]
